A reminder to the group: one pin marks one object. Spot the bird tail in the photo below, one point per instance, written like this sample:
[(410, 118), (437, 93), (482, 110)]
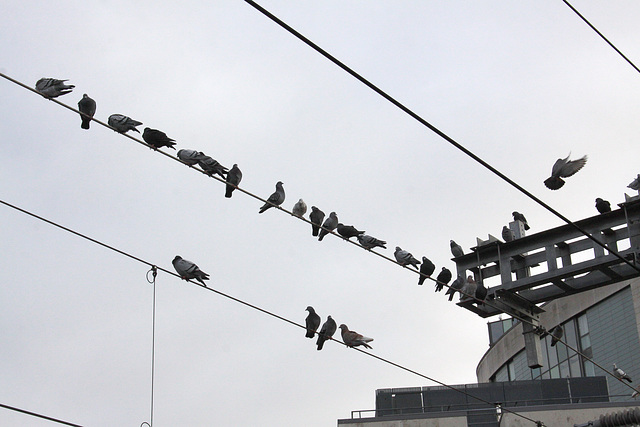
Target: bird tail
[(364, 344), (321, 236), (554, 183), (227, 194), (315, 230), (451, 296), (85, 123), (309, 334), (320, 342)]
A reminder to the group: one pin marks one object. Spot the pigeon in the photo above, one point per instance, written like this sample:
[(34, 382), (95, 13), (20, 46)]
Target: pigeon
[(405, 258), (329, 224), (348, 231), (300, 208), (188, 270), (157, 139), (354, 339), (87, 107), (190, 157), (481, 292), (635, 184), (370, 242), (122, 123), (556, 335), (563, 168), (517, 216), (275, 199), (312, 322), (602, 205), (455, 286), (469, 288), (620, 374), (635, 394), (234, 176), (456, 249), (211, 166), (316, 216), (443, 278), (52, 88), (426, 269), (326, 332), (507, 234)]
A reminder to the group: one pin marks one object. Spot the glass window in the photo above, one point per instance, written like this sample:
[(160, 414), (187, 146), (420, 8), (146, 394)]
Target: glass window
[(574, 364), (583, 325), (585, 342), (589, 369), (562, 351), (535, 373), (564, 369), (553, 355), (554, 372), (512, 371), (570, 336)]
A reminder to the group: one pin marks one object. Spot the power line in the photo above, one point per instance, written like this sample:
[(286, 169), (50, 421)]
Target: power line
[(601, 35), (433, 128), (255, 307), (35, 414)]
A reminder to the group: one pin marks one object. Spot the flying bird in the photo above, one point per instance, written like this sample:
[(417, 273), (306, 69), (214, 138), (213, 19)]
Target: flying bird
[(603, 206), (122, 123), (274, 199), (316, 216), (426, 269), (234, 176), (157, 139), (328, 225), (211, 166), (188, 270), (456, 249), (517, 216), (635, 184), (191, 157), (455, 286), (354, 339), (556, 335), (370, 242), (300, 208), (563, 168), (348, 231), (507, 234), (620, 374), (312, 322), (443, 278), (52, 88), (87, 107), (405, 258), (326, 332)]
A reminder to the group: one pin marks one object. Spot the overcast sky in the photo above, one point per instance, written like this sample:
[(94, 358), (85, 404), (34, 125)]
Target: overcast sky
[(518, 83)]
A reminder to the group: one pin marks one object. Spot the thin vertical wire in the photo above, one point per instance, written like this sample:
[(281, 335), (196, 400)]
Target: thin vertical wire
[(154, 271)]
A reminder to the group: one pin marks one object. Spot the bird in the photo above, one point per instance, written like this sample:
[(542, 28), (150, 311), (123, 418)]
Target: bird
[(481, 292), (211, 166), (274, 199), (507, 234), (469, 288), (328, 225), (635, 394), (456, 249), (455, 286), (316, 216), (620, 374), (122, 123), (157, 139), (326, 332), (312, 322), (370, 242), (52, 88), (188, 270), (348, 231), (234, 176), (87, 108), (405, 258), (556, 335), (354, 339), (564, 168), (426, 269), (443, 278), (517, 216), (603, 206), (635, 184), (300, 208), (190, 157)]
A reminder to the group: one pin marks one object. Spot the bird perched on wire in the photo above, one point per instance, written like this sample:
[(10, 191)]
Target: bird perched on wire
[(426, 269), (188, 270), (299, 209), (122, 123), (556, 335), (326, 332), (211, 166), (456, 249), (457, 285), (274, 199), (348, 231), (517, 216), (564, 168), (312, 322), (234, 176), (354, 339), (52, 88), (603, 206), (635, 184), (469, 288), (191, 157), (316, 216), (157, 139), (370, 242), (620, 374), (87, 108), (507, 234), (405, 258), (481, 292), (328, 225), (443, 278)]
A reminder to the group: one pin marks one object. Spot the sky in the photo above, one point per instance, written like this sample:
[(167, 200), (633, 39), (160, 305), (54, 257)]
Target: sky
[(520, 84)]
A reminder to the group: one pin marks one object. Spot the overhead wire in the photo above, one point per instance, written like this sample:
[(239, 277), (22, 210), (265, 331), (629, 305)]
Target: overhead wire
[(253, 306), (35, 414)]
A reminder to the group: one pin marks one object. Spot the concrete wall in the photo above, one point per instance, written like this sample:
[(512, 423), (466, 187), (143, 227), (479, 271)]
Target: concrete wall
[(430, 422), (560, 417)]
